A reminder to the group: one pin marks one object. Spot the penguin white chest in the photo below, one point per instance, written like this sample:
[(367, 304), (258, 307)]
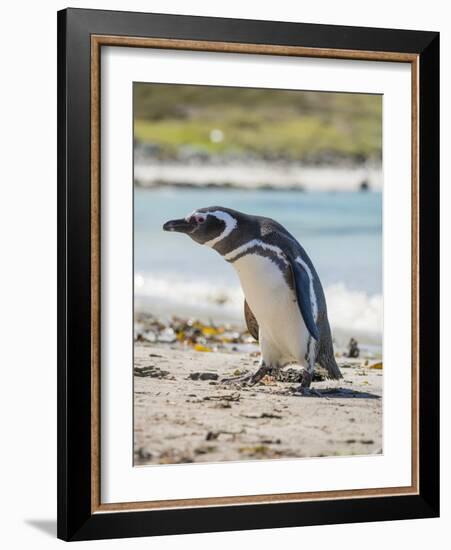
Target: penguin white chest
[(283, 334)]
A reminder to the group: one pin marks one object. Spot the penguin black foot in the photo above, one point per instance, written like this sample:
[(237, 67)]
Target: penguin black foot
[(304, 389), (307, 392), (248, 379)]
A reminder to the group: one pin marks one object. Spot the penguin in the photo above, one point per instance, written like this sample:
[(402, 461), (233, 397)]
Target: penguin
[(285, 307)]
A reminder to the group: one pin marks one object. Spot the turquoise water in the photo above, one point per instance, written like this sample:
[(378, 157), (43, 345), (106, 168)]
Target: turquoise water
[(341, 232)]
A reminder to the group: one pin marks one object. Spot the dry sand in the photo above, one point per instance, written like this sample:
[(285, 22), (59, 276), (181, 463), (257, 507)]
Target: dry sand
[(258, 175), (180, 419)]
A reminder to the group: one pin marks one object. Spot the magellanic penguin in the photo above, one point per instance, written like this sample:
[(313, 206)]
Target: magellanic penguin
[(285, 307)]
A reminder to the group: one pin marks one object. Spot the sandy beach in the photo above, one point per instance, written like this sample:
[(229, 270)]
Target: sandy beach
[(183, 413), (258, 175)]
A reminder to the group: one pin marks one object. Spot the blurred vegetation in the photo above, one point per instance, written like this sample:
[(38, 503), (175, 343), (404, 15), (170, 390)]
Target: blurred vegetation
[(292, 125)]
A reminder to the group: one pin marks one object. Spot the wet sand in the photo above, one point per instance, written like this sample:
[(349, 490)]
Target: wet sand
[(183, 413)]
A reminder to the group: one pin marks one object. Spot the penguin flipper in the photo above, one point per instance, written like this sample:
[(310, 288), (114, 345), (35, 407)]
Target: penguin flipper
[(302, 287), (251, 321)]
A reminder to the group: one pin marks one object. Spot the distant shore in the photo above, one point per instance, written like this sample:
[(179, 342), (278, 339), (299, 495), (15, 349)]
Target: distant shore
[(259, 175)]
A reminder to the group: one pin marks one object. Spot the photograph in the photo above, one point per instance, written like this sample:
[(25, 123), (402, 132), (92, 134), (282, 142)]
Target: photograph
[(257, 282)]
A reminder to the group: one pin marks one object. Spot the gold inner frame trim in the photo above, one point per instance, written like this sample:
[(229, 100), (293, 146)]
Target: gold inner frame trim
[(97, 41)]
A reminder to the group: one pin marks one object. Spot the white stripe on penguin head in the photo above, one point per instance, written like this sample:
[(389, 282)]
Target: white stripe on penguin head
[(230, 224), (189, 216)]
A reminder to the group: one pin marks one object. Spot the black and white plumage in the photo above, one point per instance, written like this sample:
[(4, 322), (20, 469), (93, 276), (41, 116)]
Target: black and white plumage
[(285, 307)]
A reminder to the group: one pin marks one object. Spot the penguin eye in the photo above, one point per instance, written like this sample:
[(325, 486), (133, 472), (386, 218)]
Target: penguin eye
[(200, 219)]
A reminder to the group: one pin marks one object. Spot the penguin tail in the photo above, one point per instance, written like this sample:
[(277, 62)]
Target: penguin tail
[(326, 356), (327, 361), (333, 370)]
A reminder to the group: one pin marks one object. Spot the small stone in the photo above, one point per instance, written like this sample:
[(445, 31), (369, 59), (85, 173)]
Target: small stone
[(222, 405), (144, 454), (203, 376), (167, 336)]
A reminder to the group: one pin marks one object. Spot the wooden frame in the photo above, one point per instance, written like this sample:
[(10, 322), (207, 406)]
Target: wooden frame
[(81, 515)]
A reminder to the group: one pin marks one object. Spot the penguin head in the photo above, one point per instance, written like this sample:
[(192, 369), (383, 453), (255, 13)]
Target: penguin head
[(206, 226)]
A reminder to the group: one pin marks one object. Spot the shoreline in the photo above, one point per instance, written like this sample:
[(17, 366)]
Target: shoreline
[(154, 324), (258, 176), (220, 335)]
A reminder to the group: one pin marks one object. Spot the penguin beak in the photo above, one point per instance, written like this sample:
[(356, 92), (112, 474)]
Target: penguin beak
[(181, 226)]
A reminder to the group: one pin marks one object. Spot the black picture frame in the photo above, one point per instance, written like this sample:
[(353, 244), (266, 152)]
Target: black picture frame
[(76, 520)]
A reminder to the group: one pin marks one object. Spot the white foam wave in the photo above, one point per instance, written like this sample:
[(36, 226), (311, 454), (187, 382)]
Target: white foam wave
[(354, 313), (351, 312), (176, 295)]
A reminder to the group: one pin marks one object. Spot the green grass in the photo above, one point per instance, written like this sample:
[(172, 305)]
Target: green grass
[(296, 125)]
